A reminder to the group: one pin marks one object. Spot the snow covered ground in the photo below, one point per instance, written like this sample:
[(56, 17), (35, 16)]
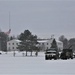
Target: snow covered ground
[(35, 65)]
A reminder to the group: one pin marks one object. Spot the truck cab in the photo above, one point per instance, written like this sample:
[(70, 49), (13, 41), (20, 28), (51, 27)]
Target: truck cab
[(51, 53)]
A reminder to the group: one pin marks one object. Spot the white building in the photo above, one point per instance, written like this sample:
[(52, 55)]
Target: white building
[(60, 45), (46, 44), (13, 44), (43, 44)]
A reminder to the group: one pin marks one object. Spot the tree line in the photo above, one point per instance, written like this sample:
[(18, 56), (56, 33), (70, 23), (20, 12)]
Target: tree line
[(29, 41)]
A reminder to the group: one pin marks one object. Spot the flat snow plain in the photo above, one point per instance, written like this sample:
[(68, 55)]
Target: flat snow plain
[(20, 65)]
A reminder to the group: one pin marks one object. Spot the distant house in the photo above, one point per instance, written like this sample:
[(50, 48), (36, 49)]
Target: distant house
[(13, 44), (46, 44), (43, 44)]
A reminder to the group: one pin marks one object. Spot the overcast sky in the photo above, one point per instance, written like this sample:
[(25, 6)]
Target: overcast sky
[(41, 17)]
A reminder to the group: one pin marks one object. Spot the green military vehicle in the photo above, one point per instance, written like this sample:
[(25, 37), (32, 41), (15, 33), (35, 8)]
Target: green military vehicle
[(67, 54), (51, 54)]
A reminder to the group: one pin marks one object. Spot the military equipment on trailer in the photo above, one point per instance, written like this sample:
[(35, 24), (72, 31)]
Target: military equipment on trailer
[(51, 54), (67, 53)]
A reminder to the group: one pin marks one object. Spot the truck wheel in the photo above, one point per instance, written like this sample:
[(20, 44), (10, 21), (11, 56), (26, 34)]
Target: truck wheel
[(50, 58), (65, 59), (55, 58), (46, 58), (71, 57)]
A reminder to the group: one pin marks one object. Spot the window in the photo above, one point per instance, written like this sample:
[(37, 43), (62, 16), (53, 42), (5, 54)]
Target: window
[(47, 43), (16, 43), (16, 47), (13, 43), (13, 48), (42, 43), (47, 47)]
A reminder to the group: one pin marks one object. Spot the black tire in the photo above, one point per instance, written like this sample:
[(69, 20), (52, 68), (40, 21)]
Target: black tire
[(50, 58), (46, 58), (55, 58), (65, 59), (71, 57)]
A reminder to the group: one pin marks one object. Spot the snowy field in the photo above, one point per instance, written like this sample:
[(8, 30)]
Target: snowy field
[(34, 65)]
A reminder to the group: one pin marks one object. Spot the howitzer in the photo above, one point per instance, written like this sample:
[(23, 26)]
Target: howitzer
[(67, 53)]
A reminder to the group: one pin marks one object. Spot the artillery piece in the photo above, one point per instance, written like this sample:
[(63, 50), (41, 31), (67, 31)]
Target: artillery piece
[(67, 53)]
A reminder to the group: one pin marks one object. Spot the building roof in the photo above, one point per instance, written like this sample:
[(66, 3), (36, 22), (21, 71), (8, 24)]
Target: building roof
[(49, 40), (42, 41), (18, 40), (15, 40)]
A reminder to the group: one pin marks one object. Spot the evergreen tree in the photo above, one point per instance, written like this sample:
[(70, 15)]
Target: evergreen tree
[(28, 42), (54, 44), (3, 41)]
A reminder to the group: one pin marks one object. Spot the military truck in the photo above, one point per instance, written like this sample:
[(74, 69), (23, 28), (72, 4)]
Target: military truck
[(67, 53), (51, 53)]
